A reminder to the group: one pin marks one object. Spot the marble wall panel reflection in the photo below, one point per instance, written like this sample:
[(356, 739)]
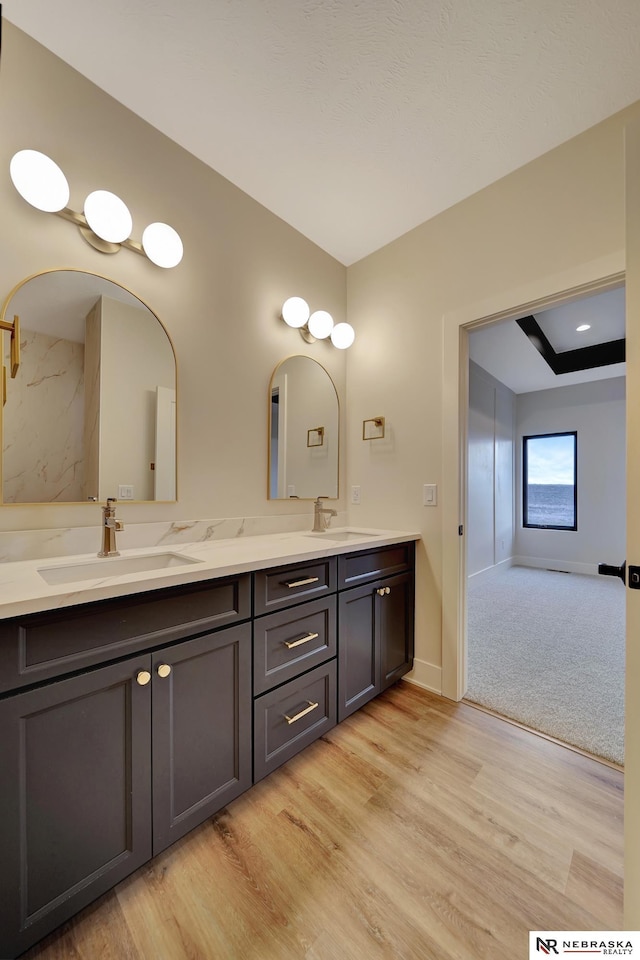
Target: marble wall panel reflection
[(42, 459)]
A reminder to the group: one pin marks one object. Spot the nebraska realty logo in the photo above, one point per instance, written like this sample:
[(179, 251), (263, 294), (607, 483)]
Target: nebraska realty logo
[(576, 943)]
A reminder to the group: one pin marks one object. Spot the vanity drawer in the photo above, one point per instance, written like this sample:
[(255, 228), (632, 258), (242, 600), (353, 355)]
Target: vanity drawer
[(356, 568), (282, 586), (290, 641), (290, 718), (40, 646)]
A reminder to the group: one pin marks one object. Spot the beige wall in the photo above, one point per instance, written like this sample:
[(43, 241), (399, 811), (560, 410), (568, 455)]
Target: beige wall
[(552, 217), (220, 305)]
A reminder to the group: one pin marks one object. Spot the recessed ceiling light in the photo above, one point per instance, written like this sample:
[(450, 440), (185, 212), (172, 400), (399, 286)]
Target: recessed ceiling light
[(583, 327)]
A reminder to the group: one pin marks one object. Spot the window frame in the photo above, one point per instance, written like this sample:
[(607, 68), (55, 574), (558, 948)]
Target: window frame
[(525, 485)]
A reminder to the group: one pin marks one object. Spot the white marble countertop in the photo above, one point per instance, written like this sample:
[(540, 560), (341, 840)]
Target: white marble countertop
[(24, 589)]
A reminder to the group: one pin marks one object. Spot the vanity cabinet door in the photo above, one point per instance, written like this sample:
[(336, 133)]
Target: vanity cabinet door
[(75, 798), (394, 623), (375, 625), (358, 652), (202, 716)]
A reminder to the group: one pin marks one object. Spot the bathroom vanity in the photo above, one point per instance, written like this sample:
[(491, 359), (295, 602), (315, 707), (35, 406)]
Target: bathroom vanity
[(133, 707)]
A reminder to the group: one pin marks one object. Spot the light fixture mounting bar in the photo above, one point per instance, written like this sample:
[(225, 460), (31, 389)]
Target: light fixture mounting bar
[(104, 246)]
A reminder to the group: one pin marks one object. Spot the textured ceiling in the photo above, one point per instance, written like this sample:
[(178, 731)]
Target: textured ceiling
[(354, 120)]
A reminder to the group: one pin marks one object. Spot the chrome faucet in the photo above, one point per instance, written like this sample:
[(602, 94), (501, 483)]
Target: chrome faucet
[(109, 527), (321, 516)]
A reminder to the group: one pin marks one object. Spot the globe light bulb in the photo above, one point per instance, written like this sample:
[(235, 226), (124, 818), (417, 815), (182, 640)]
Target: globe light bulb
[(295, 312), (39, 181), (108, 216), (342, 335), (162, 244), (320, 324)]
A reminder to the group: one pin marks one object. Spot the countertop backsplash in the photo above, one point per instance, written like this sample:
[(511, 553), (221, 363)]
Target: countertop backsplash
[(71, 541)]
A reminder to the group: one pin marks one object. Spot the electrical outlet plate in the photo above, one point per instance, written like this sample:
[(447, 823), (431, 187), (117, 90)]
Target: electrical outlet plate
[(355, 495)]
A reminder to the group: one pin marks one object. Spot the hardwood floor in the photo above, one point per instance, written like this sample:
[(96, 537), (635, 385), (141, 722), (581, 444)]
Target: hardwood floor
[(418, 829)]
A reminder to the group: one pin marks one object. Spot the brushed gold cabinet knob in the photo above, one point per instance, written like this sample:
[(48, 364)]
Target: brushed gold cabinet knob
[(143, 677), (164, 670)]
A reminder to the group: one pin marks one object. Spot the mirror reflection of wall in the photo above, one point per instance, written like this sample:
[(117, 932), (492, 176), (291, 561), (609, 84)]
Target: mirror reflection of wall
[(43, 420), (303, 431), (91, 413)]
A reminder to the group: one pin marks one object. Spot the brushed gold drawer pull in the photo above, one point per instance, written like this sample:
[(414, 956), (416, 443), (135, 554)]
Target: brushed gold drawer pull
[(164, 670), (143, 677), (290, 644), (301, 583), (303, 713)]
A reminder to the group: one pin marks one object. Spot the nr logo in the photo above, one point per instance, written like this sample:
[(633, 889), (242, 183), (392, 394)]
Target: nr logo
[(546, 946)]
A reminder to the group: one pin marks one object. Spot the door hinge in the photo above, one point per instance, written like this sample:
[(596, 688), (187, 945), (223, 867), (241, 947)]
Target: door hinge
[(460, 530)]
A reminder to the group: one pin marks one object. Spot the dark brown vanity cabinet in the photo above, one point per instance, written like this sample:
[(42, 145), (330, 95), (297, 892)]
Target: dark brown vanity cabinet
[(104, 768), (126, 722), (375, 623)]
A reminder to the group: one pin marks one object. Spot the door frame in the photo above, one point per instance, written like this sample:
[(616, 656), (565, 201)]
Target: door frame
[(594, 277)]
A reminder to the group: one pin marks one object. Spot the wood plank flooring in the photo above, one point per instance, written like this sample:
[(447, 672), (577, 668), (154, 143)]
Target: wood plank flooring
[(418, 829)]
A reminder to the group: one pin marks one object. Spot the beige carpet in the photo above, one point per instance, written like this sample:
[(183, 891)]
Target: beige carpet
[(547, 649)]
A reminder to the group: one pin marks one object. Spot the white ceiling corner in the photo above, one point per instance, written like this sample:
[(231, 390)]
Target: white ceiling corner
[(357, 121)]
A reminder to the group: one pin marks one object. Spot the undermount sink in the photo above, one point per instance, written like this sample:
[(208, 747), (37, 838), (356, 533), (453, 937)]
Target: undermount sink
[(340, 535), (113, 567)]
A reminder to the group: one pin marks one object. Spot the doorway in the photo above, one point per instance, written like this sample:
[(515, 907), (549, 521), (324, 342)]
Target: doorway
[(545, 504)]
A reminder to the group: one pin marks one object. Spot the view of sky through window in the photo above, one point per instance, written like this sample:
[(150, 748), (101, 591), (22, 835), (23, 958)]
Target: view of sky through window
[(551, 459)]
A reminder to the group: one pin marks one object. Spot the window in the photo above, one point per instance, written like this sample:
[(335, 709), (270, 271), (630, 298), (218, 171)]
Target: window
[(549, 488)]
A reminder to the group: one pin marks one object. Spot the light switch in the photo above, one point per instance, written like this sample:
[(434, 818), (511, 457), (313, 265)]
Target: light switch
[(429, 495), (125, 491)]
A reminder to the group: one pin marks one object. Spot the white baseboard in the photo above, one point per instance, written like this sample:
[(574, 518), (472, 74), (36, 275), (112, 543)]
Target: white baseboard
[(425, 675), (488, 572), (567, 566)]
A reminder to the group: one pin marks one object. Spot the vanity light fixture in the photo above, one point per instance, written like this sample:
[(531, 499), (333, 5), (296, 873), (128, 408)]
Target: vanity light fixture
[(342, 335), (318, 325), (105, 222)]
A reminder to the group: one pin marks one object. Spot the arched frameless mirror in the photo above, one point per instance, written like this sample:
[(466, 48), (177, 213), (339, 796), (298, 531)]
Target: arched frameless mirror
[(91, 412), (304, 418)]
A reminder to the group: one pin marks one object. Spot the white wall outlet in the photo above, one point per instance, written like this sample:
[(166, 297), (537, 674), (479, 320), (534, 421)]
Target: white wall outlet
[(355, 495), (125, 491), (429, 495)]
